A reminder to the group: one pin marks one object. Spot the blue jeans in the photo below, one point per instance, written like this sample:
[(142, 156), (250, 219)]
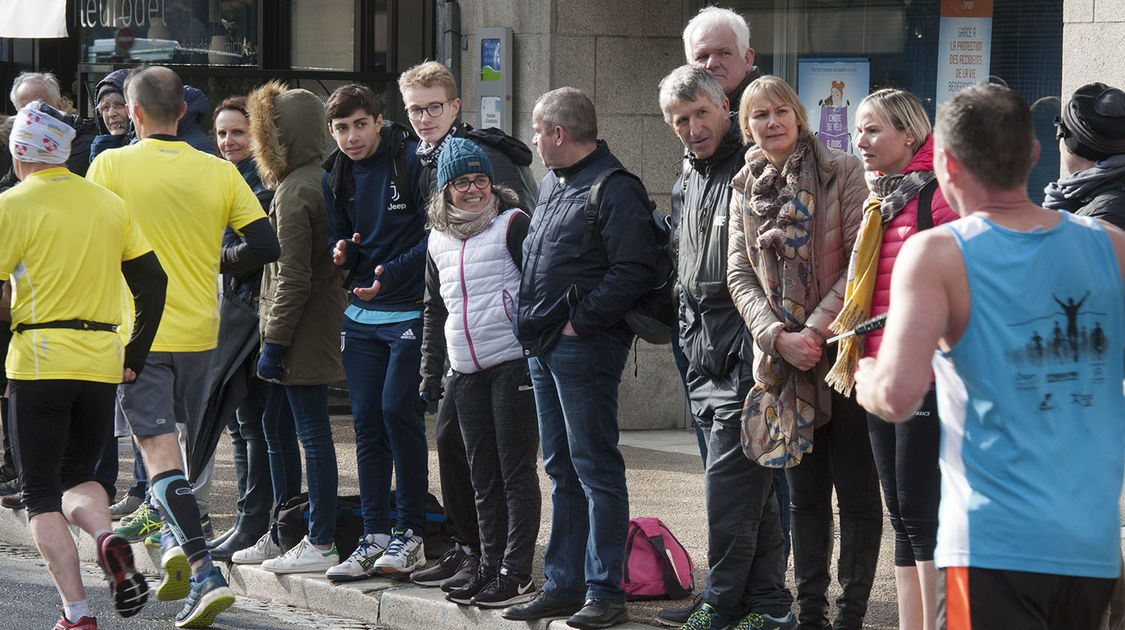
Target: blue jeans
[(382, 362), (576, 387), (303, 409)]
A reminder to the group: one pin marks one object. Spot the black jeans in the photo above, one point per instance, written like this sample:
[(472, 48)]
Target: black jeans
[(457, 496), (746, 548), (54, 424), (251, 461), (502, 440), (841, 458), (906, 456)]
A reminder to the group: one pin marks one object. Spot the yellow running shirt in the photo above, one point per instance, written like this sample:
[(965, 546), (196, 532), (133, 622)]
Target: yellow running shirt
[(182, 199), (64, 240)]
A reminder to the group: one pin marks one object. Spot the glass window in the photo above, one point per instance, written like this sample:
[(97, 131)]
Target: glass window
[(899, 43), (203, 32)]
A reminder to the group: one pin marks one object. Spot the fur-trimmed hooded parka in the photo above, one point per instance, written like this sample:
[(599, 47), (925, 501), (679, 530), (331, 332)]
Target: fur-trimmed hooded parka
[(302, 302)]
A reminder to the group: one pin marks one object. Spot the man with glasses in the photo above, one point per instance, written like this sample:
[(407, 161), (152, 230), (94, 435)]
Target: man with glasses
[(429, 93)]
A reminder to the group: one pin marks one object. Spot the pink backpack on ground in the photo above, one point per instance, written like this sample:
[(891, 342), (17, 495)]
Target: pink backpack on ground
[(656, 565)]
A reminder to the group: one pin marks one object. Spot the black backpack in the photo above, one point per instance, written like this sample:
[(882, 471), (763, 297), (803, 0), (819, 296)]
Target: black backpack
[(653, 315)]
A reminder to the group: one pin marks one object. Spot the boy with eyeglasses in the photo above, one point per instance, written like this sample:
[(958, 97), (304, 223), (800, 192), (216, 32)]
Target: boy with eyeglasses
[(429, 94), (376, 228)]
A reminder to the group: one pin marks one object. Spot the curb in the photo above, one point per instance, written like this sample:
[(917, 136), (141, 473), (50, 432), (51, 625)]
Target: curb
[(392, 604)]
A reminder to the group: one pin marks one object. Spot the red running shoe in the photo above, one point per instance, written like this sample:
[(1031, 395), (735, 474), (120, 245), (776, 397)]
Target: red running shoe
[(127, 587), (85, 623)]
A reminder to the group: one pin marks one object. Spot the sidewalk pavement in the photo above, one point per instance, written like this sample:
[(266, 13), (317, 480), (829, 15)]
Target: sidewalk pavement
[(665, 479)]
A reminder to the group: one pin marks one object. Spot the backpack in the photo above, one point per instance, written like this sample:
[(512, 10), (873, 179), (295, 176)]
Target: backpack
[(293, 524), (653, 316), (656, 565)]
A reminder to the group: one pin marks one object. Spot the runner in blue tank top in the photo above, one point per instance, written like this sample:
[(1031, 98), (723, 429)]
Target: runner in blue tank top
[(1025, 309)]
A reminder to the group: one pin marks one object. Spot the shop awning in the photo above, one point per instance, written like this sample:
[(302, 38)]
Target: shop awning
[(43, 18)]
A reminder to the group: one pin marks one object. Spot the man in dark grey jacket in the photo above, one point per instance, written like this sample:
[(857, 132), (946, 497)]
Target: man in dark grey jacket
[(579, 279), (746, 549)]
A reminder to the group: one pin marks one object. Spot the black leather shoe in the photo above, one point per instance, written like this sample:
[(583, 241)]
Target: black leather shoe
[(542, 607), (221, 538), (599, 613), (237, 541)]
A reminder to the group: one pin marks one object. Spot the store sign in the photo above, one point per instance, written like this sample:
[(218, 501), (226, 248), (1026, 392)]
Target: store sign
[(964, 45), (830, 90), (47, 19), (120, 13)]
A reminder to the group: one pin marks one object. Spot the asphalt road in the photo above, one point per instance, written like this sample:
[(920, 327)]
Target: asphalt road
[(30, 602)]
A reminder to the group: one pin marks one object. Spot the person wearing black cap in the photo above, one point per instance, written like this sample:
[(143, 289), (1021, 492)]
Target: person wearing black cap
[(1091, 134)]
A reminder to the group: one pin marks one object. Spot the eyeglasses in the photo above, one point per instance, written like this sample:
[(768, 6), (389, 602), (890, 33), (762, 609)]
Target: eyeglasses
[(433, 109), (461, 184), (1060, 129)]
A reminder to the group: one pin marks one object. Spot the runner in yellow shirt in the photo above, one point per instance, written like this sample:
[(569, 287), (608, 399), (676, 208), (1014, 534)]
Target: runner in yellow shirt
[(182, 199), (66, 244)]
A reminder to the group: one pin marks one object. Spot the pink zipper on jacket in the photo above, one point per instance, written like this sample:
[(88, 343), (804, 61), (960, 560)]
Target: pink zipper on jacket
[(465, 307)]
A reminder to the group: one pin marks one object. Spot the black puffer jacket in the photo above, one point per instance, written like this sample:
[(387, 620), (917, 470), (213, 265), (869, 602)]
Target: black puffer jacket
[(592, 288), (1107, 204), (712, 334)]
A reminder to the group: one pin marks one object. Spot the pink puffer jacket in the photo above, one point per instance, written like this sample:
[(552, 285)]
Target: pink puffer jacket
[(902, 227)]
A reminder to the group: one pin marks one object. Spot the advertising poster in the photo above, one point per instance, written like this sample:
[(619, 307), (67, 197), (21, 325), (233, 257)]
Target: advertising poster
[(964, 45), (830, 90)]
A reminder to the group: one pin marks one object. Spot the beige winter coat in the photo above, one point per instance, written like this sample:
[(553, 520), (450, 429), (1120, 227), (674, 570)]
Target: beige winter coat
[(838, 190)]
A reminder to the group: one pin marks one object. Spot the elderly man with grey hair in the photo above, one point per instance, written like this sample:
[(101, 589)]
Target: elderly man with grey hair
[(580, 277), (718, 40), (43, 86), (746, 549)]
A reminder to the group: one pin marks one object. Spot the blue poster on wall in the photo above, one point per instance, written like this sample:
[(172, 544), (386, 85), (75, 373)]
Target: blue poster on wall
[(830, 90), (490, 60)]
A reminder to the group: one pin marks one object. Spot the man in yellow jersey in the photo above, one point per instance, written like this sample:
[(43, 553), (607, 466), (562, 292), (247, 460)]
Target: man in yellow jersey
[(182, 199), (65, 237)]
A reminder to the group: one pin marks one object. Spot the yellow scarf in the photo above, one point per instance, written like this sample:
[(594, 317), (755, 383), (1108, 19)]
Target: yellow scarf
[(862, 270)]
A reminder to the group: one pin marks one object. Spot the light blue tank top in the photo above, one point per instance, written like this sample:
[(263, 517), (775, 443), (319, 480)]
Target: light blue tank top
[(1031, 404)]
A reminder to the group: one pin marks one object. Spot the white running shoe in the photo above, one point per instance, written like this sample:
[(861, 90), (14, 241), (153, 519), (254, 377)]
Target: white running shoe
[(127, 505), (303, 558), (361, 564), (262, 550), (404, 555)]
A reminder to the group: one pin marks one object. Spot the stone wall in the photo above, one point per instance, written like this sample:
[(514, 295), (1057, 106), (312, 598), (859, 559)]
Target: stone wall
[(616, 52), (1093, 46)]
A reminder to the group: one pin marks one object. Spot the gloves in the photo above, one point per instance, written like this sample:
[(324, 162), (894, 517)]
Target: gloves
[(269, 364), (430, 398)]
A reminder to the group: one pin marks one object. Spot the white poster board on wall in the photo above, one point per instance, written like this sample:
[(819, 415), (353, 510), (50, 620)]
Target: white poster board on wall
[(964, 46)]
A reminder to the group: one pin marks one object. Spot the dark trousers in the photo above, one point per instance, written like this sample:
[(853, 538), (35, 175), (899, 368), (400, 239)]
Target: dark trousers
[(906, 456), (457, 497), (746, 549), (971, 598), (251, 461), (53, 424), (382, 363), (502, 440), (841, 459)]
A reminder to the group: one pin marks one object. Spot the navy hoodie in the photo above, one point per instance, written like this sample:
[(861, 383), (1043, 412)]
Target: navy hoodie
[(361, 196)]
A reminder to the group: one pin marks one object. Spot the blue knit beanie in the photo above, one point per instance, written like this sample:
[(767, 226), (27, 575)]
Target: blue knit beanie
[(458, 157)]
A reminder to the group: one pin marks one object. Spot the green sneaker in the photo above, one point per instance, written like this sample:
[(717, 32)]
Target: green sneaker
[(754, 621), (143, 524), (153, 541), (704, 618), (174, 584)]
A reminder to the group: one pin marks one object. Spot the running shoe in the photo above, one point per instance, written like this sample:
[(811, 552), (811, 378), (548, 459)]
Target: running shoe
[(174, 584), (263, 550), (361, 564), (404, 555), (125, 506), (303, 558), (144, 522), (127, 587), (754, 621), (506, 589), (209, 596), (445, 568), (85, 623)]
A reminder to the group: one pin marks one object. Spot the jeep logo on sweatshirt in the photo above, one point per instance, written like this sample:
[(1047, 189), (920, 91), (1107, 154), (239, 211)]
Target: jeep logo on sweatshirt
[(396, 203)]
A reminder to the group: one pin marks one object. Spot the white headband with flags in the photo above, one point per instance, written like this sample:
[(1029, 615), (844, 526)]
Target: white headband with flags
[(39, 137)]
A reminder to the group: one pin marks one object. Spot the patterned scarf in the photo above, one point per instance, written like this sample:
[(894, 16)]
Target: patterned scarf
[(889, 195), (464, 224), (429, 153), (780, 411)]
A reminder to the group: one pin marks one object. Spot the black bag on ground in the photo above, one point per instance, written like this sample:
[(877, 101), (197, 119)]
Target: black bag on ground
[(293, 524)]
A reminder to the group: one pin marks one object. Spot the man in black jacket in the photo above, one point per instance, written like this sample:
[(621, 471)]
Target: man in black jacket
[(718, 40), (746, 549), (429, 93), (580, 277)]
